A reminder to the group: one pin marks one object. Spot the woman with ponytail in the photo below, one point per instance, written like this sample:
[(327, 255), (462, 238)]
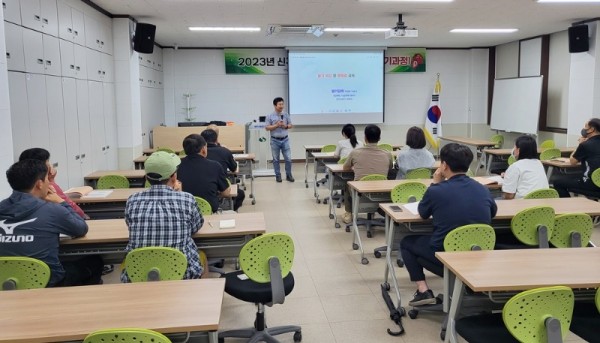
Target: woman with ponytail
[(349, 143)]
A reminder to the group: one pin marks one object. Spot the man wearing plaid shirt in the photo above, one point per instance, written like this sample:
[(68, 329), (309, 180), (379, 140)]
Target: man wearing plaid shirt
[(163, 215)]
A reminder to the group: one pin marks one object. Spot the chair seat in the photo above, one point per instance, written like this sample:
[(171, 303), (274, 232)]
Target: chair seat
[(586, 322), (253, 292), (484, 328)]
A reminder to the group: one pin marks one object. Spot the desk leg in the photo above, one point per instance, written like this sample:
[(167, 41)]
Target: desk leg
[(482, 160), (389, 263), (213, 337), (356, 239), (306, 157), (455, 304), (332, 214), (488, 168), (316, 194), (549, 172)]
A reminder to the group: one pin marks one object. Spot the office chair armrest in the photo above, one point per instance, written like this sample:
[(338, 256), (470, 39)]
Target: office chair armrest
[(277, 289), (553, 331)]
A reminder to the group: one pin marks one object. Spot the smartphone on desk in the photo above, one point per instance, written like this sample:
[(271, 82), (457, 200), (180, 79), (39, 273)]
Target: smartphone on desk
[(396, 208)]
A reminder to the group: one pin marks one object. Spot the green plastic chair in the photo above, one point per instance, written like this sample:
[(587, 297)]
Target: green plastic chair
[(328, 148), (169, 150), (373, 177), (470, 237), (545, 193), (155, 264), (408, 192), (596, 177), (470, 173), (538, 315), (572, 230), (511, 160), (386, 146), (534, 226), (419, 173), (342, 160), (130, 335), (549, 154), (147, 184), (267, 261), (499, 140), (112, 182), (203, 206), (369, 222), (547, 144), (23, 273)]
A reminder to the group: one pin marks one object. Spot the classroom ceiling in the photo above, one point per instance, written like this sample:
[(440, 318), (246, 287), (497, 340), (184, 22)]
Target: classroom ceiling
[(433, 20)]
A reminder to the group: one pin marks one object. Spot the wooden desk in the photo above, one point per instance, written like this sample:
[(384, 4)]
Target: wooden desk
[(109, 237), (138, 162), (111, 206), (71, 313), (320, 160), (136, 177), (517, 270), (504, 153), (562, 163), (235, 150), (233, 137)]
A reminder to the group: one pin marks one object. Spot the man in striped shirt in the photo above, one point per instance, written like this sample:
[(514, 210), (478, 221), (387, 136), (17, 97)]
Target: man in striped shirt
[(163, 215)]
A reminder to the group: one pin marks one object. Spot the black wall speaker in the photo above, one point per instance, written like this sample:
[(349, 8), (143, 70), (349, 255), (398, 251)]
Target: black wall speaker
[(579, 40), (143, 41)]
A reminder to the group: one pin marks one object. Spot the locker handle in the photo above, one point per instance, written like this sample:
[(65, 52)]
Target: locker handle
[(98, 41), (148, 61), (40, 61), (82, 155), (99, 72), (36, 17), (7, 55), (45, 21), (76, 157), (69, 30), (101, 42), (103, 72), (78, 68), (103, 148), (108, 147), (76, 33), (48, 62), (3, 4), (72, 66)]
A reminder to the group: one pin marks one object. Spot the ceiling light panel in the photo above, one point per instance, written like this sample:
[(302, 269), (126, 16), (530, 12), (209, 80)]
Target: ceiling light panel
[(483, 30), (224, 29)]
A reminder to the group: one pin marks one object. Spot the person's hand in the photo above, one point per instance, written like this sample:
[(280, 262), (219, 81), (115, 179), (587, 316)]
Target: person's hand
[(437, 176), (53, 197), (281, 124), (51, 189)]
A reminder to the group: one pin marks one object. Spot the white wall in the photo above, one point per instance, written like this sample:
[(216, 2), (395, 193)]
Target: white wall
[(558, 80), (242, 98), (6, 145)]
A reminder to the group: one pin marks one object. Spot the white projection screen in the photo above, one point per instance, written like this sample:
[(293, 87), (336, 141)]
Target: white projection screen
[(330, 86), (516, 104)]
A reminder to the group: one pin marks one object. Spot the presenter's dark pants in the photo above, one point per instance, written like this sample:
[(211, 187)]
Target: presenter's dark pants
[(565, 184), (239, 199), (82, 271), (414, 247)]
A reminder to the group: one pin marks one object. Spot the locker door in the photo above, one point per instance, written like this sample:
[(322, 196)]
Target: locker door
[(56, 127), (79, 53), (31, 16), (65, 24), (78, 27), (51, 55), (67, 59), (34, 51), (69, 91), (12, 11), (110, 126), (93, 65), (38, 110), (19, 113), (97, 125), (83, 116), (15, 57), (49, 17)]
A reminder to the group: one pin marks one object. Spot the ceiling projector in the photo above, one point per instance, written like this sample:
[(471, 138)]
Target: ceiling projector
[(401, 30)]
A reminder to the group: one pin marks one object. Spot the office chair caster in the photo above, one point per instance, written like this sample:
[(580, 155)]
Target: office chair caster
[(413, 314), (377, 254), (364, 260), (386, 285), (253, 202), (400, 263), (251, 195), (338, 205), (330, 216), (347, 229), (306, 184), (369, 234), (443, 334), (354, 246), (325, 201), (337, 225), (298, 336)]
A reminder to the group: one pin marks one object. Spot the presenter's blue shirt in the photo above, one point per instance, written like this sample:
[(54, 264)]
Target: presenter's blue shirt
[(273, 118), (455, 202)]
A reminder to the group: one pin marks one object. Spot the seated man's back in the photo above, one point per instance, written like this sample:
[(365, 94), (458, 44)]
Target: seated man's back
[(369, 159)]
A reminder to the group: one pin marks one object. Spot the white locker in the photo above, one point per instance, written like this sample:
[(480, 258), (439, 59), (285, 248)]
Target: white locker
[(78, 27), (34, 51), (96, 99), (110, 126), (31, 15), (159, 79), (15, 57), (106, 40), (69, 89), (12, 11), (92, 40), (107, 67), (94, 71), (51, 55), (19, 113), (38, 110), (65, 23), (80, 55), (56, 126), (67, 59), (49, 17), (83, 117)]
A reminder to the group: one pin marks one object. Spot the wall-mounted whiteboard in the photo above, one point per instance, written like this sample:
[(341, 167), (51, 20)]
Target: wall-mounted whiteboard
[(516, 104)]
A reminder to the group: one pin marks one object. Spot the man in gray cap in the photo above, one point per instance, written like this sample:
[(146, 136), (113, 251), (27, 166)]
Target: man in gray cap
[(163, 215)]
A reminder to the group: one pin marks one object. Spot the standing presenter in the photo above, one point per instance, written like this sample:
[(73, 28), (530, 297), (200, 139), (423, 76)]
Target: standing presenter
[(278, 123)]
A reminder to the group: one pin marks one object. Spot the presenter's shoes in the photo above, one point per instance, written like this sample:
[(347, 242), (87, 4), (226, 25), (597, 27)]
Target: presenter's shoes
[(347, 218), (425, 298), (278, 178), (290, 178)]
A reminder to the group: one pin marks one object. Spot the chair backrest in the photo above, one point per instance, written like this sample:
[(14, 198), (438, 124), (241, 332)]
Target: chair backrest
[(155, 264), (499, 140), (419, 173), (410, 191), (112, 181), (328, 148), (547, 144), (130, 335), (549, 154), (572, 230), (470, 173), (526, 314), (545, 193), (374, 177), (342, 160), (203, 206), (386, 146), (596, 177), (255, 255), (511, 160), (169, 150), (147, 184), (23, 273), (470, 237), (525, 224)]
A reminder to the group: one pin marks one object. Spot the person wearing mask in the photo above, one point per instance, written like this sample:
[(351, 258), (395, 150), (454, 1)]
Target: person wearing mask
[(588, 154), (349, 143), (278, 123), (415, 156), (527, 174)]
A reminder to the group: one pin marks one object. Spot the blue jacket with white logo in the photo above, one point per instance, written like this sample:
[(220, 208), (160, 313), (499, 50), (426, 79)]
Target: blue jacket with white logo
[(31, 227)]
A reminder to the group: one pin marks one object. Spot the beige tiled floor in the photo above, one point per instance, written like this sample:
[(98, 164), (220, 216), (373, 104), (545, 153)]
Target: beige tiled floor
[(336, 298)]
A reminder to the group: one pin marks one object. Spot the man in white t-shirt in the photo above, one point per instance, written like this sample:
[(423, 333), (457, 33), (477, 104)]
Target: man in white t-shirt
[(527, 174)]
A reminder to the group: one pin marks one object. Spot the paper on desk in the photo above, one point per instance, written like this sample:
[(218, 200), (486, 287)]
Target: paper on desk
[(496, 178), (63, 236), (412, 207), (227, 223), (98, 194)]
